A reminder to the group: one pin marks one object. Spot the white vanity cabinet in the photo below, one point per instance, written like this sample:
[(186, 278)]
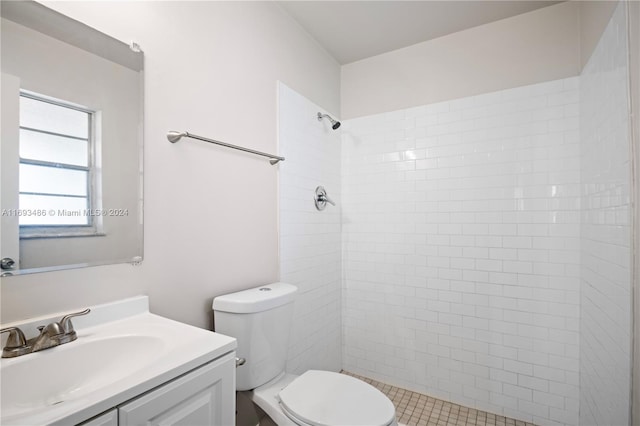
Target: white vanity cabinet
[(204, 397)]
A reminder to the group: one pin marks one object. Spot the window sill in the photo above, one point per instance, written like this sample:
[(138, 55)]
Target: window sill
[(40, 235)]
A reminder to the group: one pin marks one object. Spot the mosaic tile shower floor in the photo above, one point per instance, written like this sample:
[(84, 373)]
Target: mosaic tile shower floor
[(416, 409)]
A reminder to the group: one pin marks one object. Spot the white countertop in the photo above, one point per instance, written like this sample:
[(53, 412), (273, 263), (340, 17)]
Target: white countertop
[(136, 351)]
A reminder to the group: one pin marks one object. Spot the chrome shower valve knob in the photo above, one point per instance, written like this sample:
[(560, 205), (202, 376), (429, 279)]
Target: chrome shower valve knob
[(321, 199)]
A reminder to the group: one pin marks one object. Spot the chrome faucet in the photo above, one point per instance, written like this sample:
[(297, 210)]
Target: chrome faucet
[(54, 334)]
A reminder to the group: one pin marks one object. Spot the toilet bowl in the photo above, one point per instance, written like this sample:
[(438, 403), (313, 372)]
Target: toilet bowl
[(260, 319)]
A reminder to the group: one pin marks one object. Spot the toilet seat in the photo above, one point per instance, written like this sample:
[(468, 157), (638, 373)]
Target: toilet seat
[(324, 398)]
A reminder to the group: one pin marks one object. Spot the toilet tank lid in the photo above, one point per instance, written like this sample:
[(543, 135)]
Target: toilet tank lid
[(256, 299)]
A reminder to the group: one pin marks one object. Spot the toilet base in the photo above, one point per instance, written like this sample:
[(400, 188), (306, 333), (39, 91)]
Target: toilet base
[(266, 397)]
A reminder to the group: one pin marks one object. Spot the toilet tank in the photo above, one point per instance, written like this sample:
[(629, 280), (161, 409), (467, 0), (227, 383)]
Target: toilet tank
[(260, 320)]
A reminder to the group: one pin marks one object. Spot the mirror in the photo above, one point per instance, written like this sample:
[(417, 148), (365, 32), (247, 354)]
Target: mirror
[(71, 143)]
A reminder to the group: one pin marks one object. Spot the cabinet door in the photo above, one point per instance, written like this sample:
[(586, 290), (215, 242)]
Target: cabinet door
[(110, 418), (202, 397)]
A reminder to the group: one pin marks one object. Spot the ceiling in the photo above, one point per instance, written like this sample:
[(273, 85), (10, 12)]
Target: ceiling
[(354, 30)]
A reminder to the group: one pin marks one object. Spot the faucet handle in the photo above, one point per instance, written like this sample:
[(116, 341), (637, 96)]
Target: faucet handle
[(16, 337), (16, 343), (65, 322)]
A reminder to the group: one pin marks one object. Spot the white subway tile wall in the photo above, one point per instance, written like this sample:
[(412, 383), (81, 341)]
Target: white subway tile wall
[(310, 241), (461, 250), (605, 323)]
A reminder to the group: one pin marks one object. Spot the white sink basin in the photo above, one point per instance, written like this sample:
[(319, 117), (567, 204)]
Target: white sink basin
[(72, 370), (112, 361)]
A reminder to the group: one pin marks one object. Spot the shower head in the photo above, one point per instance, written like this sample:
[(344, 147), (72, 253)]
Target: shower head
[(334, 123)]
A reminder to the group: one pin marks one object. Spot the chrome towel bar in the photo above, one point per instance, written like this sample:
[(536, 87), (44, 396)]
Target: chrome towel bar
[(174, 137)]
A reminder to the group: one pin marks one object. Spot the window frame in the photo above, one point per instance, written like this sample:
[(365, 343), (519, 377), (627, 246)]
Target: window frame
[(93, 227)]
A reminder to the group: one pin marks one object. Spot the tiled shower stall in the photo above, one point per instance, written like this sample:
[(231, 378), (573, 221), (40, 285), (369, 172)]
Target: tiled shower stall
[(461, 249), (479, 251)]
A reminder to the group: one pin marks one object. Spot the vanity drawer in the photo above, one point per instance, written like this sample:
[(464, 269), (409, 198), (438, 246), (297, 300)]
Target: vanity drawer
[(110, 418)]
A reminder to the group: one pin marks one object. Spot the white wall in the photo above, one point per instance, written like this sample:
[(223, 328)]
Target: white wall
[(537, 46), (594, 17), (605, 322), (461, 250), (210, 213), (310, 240)]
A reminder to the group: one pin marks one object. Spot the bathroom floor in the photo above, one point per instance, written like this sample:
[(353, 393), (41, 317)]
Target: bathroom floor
[(416, 409)]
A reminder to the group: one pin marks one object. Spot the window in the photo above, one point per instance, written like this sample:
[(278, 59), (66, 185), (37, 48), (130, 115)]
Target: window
[(56, 167)]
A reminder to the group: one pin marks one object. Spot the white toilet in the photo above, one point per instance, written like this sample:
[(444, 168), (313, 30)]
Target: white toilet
[(260, 319)]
